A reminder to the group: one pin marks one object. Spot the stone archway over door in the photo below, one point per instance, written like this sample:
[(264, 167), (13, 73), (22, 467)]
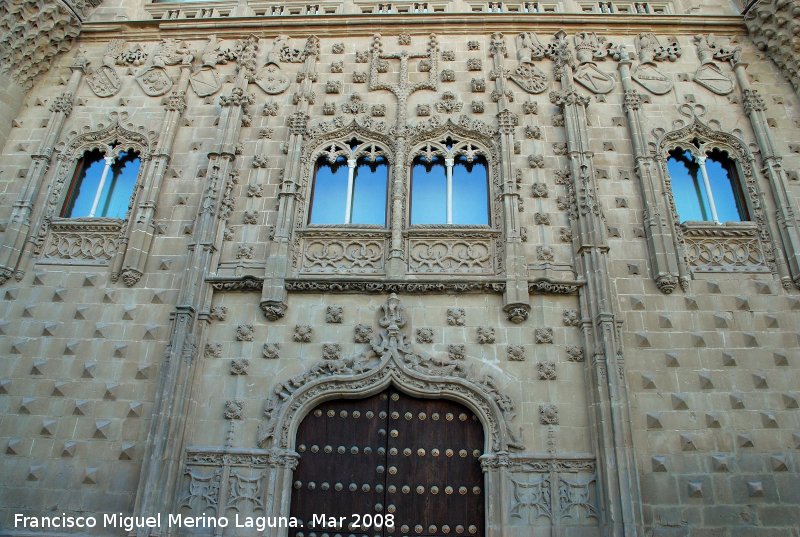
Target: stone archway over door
[(390, 454)]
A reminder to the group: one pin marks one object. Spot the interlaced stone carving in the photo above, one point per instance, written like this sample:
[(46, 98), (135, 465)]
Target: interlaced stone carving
[(390, 355), (450, 256), (710, 248), (93, 241), (342, 255)]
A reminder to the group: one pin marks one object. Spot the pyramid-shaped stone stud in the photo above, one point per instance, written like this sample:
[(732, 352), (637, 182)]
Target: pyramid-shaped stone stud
[(4, 328), (143, 372), (37, 368), (780, 358), (59, 295), (695, 489), (58, 388), (744, 440), (11, 294), (14, 445), (68, 449), (127, 314), (127, 451), (17, 345), (762, 288), (720, 320), (89, 370), (737, 401), (712, 420), (771, 321), (654, 420), (26, 405), (150, 332), (750, 339), (80, 313), (49, 329), (671, 359), (89, 280), (648, 381), (90, 475), (135, 409), (698, 340), (120, 349), (796, 440), (755, 489), (713, 287), (71, 348), (637, 302), (728, 359), (691, 303), (742, 303), (165, 263), (102, 428), (778, 463), (48, 427), (642, 340), (769, 420), (688, 442), (38, 277), (159, 297), (705, 381), (720, 463), (760, 381), (108, 296), (82, 407), (664, 321), (5, 384), (28, 310), (659, 463), (112, 390), (35, 472), (679, 401), (789, 400), (101, 330)]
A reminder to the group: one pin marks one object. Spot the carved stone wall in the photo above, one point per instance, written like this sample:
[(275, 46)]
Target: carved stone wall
[(253, 316)]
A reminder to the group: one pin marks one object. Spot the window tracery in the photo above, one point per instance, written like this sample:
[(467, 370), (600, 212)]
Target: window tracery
[(714, 201)]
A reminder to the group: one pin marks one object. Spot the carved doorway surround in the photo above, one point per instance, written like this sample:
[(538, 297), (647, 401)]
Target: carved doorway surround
[(388, 457)]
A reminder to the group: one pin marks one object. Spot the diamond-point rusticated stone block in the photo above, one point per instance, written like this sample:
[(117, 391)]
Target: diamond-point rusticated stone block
[(658, 463)]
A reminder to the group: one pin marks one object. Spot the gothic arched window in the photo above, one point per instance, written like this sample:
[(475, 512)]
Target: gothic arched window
[(102, 185), (449, 185), (350, 185), (706, 185)]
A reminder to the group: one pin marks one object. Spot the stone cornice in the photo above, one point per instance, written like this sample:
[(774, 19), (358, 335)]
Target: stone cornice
[(348, 25)]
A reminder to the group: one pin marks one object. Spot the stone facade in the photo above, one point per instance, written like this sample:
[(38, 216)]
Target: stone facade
[(634, 375)]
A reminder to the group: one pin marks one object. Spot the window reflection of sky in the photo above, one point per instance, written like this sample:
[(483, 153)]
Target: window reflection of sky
[(429, 192), (117, 191), (689, 192), (470, 192), (329, 197)]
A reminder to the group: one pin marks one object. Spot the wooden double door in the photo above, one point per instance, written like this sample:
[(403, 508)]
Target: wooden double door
[(389, 465)]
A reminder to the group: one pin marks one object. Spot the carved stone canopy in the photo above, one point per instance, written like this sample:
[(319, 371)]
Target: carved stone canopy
[(389, 360)]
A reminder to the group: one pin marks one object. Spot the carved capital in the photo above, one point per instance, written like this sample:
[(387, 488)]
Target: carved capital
[(62, 103), (176, 101), (666, 283), (517, 313), (238, 97), (566, 97)]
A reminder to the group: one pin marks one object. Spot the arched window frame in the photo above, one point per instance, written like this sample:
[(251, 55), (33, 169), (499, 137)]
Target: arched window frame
[(713, 246), (89, 240), (331, 152), (430, 150)]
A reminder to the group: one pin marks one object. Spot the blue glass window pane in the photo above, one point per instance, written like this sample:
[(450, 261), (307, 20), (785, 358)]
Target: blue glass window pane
[(470, 192), (369, 192), (87, 179), (429, 192), (328, 201), (727, 193), (120, 182), (687, 187)]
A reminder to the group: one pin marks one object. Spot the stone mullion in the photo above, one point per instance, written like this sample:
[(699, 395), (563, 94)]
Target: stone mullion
[(130, 261), (164, 454), (617, 479), (515, 297), (395, 266), (787, 224), (273, 294), (658, 227), (12, 244)]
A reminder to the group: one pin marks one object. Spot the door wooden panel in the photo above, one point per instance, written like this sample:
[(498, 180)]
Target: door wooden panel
[(416, 459)]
